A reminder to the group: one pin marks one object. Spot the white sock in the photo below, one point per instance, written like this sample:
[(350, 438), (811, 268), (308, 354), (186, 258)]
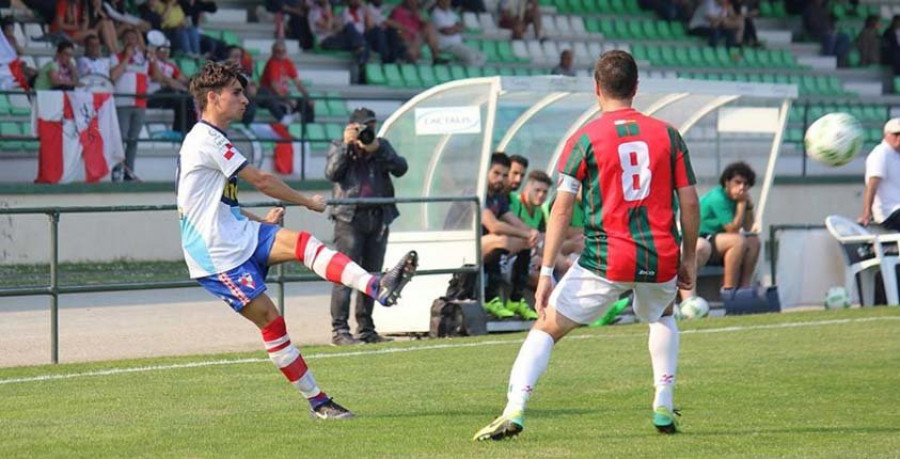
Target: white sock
[(663, 344), (530, 365)]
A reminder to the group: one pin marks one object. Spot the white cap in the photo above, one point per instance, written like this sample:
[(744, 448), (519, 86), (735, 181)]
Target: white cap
[(892, 126)]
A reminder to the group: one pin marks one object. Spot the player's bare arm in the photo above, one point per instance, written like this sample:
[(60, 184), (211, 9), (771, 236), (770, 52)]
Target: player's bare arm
[(274, 187), (529, 233), (689, 206), (275, 215), (866, 216), (560, 218), (498, 226)]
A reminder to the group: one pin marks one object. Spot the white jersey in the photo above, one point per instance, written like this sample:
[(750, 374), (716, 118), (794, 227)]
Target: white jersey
[(884, 162), (215, 236)]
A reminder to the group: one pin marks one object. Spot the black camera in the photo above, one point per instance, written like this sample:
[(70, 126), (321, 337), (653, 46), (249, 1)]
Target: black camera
[(365, 134)]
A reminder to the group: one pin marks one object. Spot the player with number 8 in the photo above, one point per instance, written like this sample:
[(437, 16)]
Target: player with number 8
[(631, 171)]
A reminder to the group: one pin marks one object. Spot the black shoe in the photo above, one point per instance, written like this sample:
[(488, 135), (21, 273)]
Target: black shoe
[(374, 338), (330, 410), (344, 339), (392, 282)]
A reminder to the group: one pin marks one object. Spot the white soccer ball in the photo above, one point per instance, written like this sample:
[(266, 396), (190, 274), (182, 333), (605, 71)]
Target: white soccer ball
[(694, 307), (837, 298), (834, 139)]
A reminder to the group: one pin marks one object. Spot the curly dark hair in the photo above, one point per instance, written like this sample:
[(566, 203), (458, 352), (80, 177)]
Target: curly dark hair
[(739, 168), (215, 76)]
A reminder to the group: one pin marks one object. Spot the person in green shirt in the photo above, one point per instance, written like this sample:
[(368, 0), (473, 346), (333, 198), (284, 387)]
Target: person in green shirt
[(60, 73), (726, 220), (527, 206)]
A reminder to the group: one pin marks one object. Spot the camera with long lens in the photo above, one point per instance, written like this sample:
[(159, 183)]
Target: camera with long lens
[(365, 134)]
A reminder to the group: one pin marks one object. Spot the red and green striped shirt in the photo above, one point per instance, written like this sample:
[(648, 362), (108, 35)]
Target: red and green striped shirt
[(629, 166)]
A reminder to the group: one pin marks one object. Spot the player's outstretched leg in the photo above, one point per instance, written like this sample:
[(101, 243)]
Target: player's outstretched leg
[(663, 344), (337, 267), (287, 358), (531, 363)]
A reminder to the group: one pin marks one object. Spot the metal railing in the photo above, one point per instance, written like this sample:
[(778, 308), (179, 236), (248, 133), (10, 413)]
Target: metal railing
[(54, 290)]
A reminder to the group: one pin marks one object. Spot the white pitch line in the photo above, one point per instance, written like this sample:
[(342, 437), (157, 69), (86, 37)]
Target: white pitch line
[(176, 366)]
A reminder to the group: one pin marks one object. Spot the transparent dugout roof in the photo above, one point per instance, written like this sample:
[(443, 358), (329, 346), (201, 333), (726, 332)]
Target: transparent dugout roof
[(448, 132)]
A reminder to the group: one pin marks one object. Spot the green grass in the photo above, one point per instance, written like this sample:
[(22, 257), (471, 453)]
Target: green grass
[(821, 390)]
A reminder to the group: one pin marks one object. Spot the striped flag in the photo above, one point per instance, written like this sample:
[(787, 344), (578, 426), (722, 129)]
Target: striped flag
[(79, 136)]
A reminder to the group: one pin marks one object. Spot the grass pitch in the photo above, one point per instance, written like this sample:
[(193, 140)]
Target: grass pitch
[(816, 384)]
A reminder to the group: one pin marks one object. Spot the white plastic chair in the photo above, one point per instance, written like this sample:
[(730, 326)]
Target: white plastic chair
[(860, 257)]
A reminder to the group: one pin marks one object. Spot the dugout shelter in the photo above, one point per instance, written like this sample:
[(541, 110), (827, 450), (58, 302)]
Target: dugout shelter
[(448, 133)]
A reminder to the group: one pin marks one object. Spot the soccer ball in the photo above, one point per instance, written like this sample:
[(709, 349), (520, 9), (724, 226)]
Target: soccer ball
[(693, 308), (837, 298), (834, 139)]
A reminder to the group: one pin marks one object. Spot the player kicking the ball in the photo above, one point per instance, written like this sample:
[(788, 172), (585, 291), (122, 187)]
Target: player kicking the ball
[(629, 167), (229, 250)]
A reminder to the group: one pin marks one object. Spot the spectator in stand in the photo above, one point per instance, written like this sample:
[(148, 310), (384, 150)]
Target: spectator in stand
[(357, 15), (9, 31), (99, 21), (406, 19), (566, 64), (869, 42), (891, 39), (820, 25), (130, 71), (671, 10), (194, 10), (332, 34), (275, 92), (115, 10), (171, 83), (749, 10), (716, 19), (237, 55), (449, 35), (72, 23), (148, 13), (60, 73), (94, 65), (516, 15), (298, 20), (384, 39), (178, 28)]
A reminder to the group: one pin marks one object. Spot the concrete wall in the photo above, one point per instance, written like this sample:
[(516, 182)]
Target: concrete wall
[(155, 236)]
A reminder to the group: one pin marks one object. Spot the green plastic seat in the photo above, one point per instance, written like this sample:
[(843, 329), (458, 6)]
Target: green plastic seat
[(337, 107), (4, 105), (410, 75), (394, 78), (474, 72), (375, 74), (505, 52), (315, 132), (427, 76), (442, 73), (457, 72), (321, 108), (334, 131), (636, 30)]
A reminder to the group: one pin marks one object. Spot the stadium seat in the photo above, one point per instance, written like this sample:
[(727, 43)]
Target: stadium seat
[(393, 76), (375, 74), (427, 76), (334, 131), (442, 73), (863, 254), (315, 132), (471, 23), (520, 50), (410, 75)]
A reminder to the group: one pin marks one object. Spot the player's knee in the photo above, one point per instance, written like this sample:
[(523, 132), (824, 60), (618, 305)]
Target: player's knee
[(307, 248)]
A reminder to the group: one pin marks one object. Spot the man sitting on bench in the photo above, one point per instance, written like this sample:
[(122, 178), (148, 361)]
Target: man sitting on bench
[(726, 218)]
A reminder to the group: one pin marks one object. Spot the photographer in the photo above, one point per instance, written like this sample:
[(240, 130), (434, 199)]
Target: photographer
[(359, 165)]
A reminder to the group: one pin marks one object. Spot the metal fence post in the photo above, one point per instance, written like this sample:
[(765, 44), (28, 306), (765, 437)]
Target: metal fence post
[(54, 286), (478, 258)]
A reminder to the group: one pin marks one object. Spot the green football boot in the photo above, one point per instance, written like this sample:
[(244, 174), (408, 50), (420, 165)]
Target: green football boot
[(498, 309), (522, 309), (502, 428), (665, 420)]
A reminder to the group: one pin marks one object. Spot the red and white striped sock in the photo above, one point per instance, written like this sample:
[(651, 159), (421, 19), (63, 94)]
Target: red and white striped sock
[(333, 266), (288, 359)]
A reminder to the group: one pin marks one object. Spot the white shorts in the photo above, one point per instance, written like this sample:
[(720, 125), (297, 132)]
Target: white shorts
[(584, 297)]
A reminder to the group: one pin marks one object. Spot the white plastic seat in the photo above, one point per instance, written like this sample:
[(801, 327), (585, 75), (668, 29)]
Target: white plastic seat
[(549, 27), (520, 49), (581, 54), (536, 51), (563, 27), (861, 258), (470, 21), (227, 16), (578, 29), (595, 49)]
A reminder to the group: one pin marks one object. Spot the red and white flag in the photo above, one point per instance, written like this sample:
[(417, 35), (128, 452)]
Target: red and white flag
[(286, 153), (79, 136)]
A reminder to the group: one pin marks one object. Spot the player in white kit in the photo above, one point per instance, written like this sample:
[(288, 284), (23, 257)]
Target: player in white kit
[(229, 250)]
